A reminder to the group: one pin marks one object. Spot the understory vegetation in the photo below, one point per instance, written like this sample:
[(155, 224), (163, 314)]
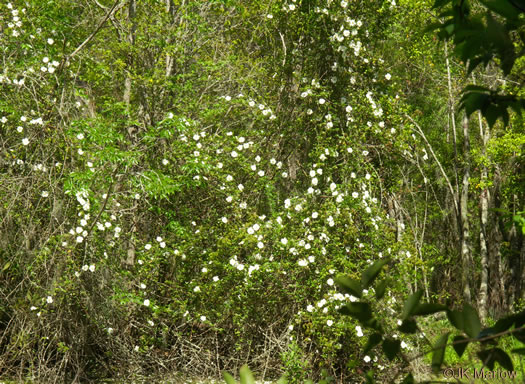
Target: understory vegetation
[(317, 190)]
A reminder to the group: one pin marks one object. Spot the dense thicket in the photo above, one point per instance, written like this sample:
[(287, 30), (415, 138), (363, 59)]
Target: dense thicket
[(181, 182)]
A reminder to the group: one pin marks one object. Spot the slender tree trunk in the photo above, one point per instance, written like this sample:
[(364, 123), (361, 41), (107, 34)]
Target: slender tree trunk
[(132, 11), (484, 198), (466, 256)]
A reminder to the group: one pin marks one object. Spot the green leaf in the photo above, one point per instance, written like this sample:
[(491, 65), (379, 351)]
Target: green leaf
[(472, 325), (439, 353), (460, 343), (6, 266), (391, 348), (491, 356), (228, 378), (381, 289), (504, 359), (410, 304), (408, 326), (246, 375), (503, 8), (456, 319), (519, 351), (487, 357), (350, 286), (371, 272), (440, 3), (369, 377), (409, 379), (373, 340), (359, 310), (428, 309)]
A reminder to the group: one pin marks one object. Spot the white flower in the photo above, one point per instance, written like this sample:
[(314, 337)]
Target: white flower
[(147, 246), (146, 303), (19, 129), (315, 181), (260, 245), (388, 76), (79, 239), (355, 195), (197, 289), (359, 331), (215, 278), (302, 263), (142, 286), (165, 162), (403, 345), (284, 241), (203, 318), (45, 193), (234, 154), (136, 349), (92, 267), (322, 101), (49, 300), (330, 282), (25, 141), (329, 323), (224, 220), (50, 41), (315, 215), (311, 259), (310, 308), (367, 359), (33, 308), (162, 244), (291, 7)]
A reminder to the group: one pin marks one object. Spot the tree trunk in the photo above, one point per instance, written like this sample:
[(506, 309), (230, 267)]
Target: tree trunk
[(466, 256), (132, 11), (484, 198)]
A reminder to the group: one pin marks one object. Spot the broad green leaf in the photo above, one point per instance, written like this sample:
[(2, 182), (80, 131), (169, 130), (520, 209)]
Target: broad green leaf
[(410, 304), (371, 272), (408, 326), (381, 289), (503, 8), (472, 325), (491, 356), (439, 353), (504, 359), (428, 309), (391, 348), (359, 310), (501, 325), (246, 375), (373, 340), (519, 351), (369, 377), (350, 286), (228, 378), (460, 343), (440, 3), (456, 319)]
